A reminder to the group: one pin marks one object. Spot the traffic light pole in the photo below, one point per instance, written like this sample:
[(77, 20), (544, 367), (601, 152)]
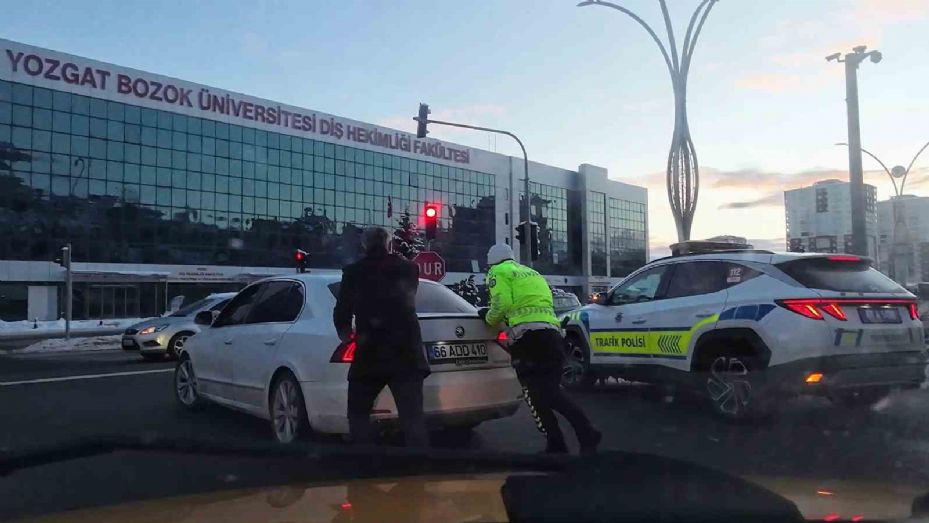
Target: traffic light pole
[(525, 255), (66, 258)]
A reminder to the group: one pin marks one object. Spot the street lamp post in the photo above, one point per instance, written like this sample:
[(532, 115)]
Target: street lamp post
[(900, 248), (855, 174), (683, 174)]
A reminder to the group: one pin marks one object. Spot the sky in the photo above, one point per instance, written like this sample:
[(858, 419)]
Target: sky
[(577, 84)]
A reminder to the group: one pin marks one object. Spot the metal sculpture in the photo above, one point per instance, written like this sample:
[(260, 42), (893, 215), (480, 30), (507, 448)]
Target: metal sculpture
[(683, 173)]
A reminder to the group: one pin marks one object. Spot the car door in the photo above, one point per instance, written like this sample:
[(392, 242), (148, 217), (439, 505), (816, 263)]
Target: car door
[(214, 364), (619, 329), (257, 341), (691, 304)]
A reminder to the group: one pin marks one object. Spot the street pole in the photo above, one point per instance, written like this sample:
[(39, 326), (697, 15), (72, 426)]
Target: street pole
[(855, 173), (69, 291), (525, 256)]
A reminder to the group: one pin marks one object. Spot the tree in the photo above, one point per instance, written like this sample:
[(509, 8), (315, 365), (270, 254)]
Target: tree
[(407, 238), (468, 290)]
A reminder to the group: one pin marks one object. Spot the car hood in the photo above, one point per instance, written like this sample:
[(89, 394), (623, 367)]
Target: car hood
[(164, 320), (464, 498)]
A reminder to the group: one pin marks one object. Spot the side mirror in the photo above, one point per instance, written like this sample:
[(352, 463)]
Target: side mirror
[(600, 298), (204, 318)]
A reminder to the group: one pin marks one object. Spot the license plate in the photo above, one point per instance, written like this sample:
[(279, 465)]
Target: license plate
[(879, 315), (457, 353), (127, 342)]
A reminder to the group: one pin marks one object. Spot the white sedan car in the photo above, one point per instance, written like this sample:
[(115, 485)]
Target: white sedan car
[(273, 352)]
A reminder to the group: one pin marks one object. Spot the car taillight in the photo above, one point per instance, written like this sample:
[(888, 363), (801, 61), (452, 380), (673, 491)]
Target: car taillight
[(345, 352), (813, 308), (502, 337)]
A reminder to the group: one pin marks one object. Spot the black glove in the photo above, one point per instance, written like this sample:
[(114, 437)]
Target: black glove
[(482, 312)]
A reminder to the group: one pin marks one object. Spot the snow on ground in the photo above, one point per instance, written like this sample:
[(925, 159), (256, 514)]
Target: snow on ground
[(25, 326), (92, 343)]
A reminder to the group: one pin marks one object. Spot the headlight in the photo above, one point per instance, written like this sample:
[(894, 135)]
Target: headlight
[(153, 328)]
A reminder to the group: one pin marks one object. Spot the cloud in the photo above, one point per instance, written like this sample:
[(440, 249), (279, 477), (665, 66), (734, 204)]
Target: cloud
[(771, 200), (772, 82)]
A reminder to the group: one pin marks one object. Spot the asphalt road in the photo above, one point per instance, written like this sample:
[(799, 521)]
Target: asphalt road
[(51, 398)]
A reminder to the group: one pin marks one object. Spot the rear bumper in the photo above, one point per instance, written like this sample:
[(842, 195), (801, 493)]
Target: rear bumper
[(849, 372)]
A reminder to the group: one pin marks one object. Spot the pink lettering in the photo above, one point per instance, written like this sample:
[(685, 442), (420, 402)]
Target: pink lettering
[(70, 73), (88, 77), (36, 63), (123, 84), (53, 66), (14, 59), (156, 91), (171, 94), (103, 76)]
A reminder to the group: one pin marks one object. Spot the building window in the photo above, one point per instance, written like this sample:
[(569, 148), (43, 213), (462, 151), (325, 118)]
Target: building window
[(596, 227), (627, 226)]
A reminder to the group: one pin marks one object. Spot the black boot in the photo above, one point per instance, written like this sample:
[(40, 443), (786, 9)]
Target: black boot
[(589, 441)]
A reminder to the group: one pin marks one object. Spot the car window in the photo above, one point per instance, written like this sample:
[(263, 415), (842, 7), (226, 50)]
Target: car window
[(736, 274), (839, 274), (218, 306), (430, 297), (239, 307), (190, 309), (281, 301), (695, 278), (643, 287)]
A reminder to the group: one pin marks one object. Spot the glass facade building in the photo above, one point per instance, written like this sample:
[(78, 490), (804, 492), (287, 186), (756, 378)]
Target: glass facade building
[(200, 190)]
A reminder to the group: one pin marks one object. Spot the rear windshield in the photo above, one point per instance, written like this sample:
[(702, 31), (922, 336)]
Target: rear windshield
[(841, 276), (430, 298), (190, 309)]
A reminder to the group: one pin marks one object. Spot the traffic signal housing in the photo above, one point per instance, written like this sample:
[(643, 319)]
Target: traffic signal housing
[(64, 257), (301, 260), (431, 218), (422, 119), (532, 237)]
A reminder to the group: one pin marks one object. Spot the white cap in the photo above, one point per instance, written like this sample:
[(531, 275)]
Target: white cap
[(498, 253)]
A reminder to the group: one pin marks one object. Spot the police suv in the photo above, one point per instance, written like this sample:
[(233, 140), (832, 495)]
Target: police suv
[(746, 327)]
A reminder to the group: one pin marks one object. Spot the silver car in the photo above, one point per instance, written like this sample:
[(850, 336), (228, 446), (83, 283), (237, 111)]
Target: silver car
[(156, 337)]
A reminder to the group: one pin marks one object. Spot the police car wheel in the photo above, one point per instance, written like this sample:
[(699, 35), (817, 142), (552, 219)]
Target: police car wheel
[(728, 385), (576, 373)]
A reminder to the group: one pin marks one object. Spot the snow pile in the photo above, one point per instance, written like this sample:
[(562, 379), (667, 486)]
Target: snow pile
[(25, 326), (92, 343)]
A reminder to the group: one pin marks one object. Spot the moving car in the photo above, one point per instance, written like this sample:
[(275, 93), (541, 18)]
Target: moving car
[(156, 337), (273, 352), (746, 327)]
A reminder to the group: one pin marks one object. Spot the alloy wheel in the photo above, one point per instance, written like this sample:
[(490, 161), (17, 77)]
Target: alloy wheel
[(179, 345), (185, 383), (285, 411), (728, 385)]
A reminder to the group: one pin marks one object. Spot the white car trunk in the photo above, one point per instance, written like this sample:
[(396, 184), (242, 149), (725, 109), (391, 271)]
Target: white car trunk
[(460, 342)]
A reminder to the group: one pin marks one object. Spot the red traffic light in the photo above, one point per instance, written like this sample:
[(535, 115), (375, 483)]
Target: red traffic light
[(431, 211)]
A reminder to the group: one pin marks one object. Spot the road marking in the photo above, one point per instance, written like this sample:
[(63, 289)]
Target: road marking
[(83, 377)]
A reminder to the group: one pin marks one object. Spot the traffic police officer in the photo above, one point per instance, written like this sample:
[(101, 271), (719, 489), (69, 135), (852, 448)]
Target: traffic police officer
[(521, 298)]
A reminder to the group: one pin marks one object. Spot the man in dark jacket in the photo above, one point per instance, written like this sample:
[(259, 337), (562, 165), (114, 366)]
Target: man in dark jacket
[(379, 291)]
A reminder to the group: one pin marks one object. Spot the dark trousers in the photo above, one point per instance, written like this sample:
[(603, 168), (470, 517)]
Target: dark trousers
[(407, 391), (538, 358)]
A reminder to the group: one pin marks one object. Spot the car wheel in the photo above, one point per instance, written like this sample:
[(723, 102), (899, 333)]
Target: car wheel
[(153, 357), (288, 412), (177, 343), (576, 373), (728, 385), (186, 390)]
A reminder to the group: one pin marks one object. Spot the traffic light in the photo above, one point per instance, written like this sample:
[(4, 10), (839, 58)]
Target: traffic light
[(431, 214), (64, 257), (520, 235), (301, 259), (534, 240), (422, 120)]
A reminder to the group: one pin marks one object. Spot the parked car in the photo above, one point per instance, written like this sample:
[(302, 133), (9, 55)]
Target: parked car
[(273, 352), (747, 327), (564, 301), (155, 338)]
